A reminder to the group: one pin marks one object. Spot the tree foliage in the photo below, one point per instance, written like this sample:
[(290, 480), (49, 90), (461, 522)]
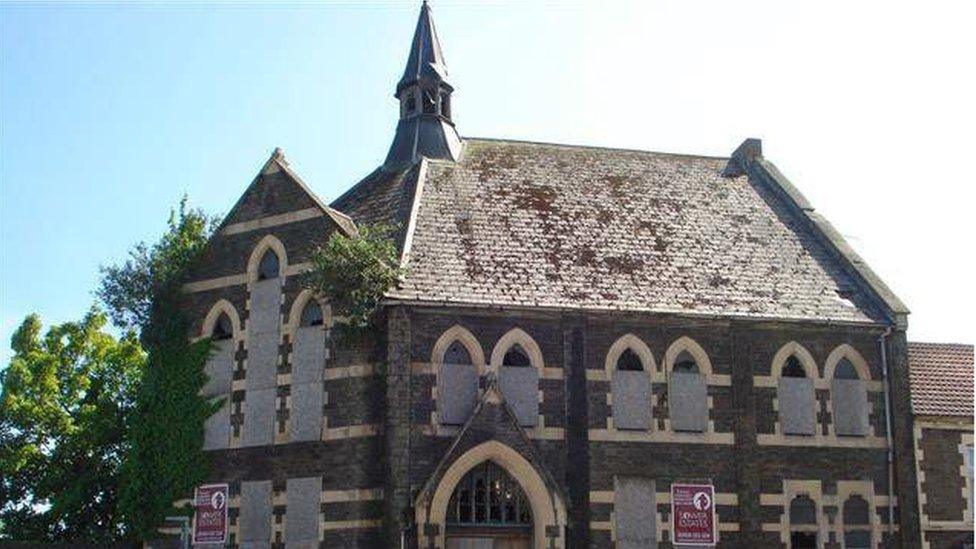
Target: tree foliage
[(63, 408), (166, 459), (355, 272)]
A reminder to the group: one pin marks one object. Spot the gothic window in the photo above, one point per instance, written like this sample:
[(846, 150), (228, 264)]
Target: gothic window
[(222, 328), (793, 368), (688, 395), (795, 397), (629, 362), (488, 497), (631, 389), (857, 523), (518, 380), (849, 401), (312, 314), (268, 268), (803, 523), (458, 385), (516, 356)]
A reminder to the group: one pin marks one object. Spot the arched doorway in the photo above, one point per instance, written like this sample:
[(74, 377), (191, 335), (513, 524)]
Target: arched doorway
[(488, 510)]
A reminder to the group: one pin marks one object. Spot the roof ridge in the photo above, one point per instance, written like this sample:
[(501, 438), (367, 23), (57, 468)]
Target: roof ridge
[(592, 147), (941, 344)]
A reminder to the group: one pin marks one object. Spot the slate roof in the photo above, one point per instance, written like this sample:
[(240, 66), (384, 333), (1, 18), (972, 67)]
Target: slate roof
[(941, 378), (541, 225)]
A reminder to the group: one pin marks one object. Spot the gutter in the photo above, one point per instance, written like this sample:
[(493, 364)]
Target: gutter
[(882, 343)]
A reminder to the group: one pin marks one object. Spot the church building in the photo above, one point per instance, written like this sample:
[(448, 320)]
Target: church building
[(578, 329)]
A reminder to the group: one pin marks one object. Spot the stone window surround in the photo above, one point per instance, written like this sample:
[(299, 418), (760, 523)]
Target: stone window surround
[(865, 489), (844, 350)]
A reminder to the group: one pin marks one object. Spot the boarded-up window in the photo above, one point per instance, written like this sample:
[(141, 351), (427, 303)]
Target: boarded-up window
[(302, 511), (795, 399), (263, 334), (259, 417), (849, 400), (254, 521), (631, 399), (689, 402), (305, 415), (457, 391), (308, 354), (857, 523), (219, 368), (635, 513), (520, 387), (216, 428)]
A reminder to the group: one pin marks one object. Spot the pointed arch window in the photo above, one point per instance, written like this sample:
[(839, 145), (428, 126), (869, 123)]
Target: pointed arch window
[(630, 386), (458, 385), (269, 267), (849, 400), (312, 314), (223, 329), (488, 497), (628, 361), (517, 357), (688, 395), (796, 400), (518, 379), (857, 523)]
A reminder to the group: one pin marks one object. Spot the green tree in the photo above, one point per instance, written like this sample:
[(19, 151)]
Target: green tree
[(166, 458), (63, 408), (355, 272)]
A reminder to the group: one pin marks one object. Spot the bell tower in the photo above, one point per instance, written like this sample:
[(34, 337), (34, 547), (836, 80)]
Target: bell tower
[(426, 127)]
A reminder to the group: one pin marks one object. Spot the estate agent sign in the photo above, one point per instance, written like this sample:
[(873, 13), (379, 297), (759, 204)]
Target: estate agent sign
[(693, 514), (210, 525)]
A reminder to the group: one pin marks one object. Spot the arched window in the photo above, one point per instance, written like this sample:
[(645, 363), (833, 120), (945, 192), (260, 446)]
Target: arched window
[(458, 385), (849, 400), (487, 497), (629, 362), (685, 364), (857, 523), (223, 329), (793, 368), (795, 395), (803, 523), (516, 356), (269, 267), (687, 391), (312, 314)]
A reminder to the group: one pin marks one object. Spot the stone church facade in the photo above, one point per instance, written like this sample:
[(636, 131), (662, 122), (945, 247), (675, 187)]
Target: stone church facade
[(578, 329)]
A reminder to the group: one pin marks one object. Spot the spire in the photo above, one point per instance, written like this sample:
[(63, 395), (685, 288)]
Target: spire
[(425, 128), (426, 61)]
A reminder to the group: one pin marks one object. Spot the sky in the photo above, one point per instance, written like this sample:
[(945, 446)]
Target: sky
[(109, 113)]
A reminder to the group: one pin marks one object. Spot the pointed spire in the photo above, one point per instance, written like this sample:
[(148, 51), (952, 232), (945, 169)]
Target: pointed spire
[(426, 61), (426, 128)]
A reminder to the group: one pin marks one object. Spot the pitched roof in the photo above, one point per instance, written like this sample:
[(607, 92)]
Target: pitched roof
[(426, 59), (941, 378), (542, 225)]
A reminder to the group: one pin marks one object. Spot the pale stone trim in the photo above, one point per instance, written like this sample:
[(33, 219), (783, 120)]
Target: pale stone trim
[(850, 353), (350, 431), (635, 344), (811, 489), (359, 494), (547, 508), (967, 483), (210, 321), (772, 382), (354, 524), (269, 242), (823, 441), (665, 436), (685, 343), (513, 336), (794, 348), (601, 526), (539, 432), (238, 279), (271, 221), (865, 489), (466, 338), (344, 372), (298, 306)]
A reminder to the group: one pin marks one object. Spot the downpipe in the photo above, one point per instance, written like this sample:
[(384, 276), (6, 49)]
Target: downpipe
[(883, 343)]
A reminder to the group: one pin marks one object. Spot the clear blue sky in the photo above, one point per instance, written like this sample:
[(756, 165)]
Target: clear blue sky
[(111, 112)]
